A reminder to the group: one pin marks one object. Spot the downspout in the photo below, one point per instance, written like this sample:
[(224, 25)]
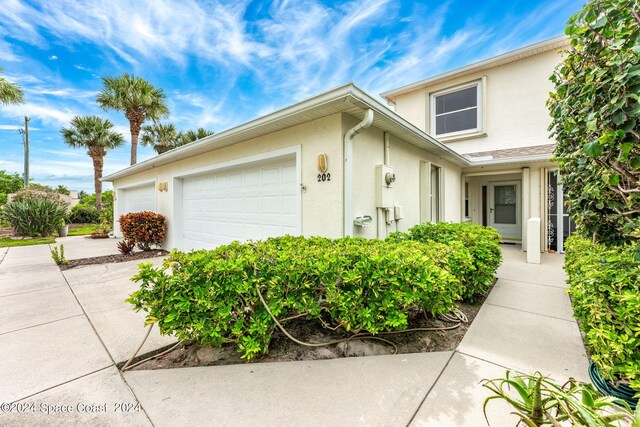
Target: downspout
[(381, 214), (348, 170)]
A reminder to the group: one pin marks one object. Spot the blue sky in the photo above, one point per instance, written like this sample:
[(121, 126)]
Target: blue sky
[(223, 63)]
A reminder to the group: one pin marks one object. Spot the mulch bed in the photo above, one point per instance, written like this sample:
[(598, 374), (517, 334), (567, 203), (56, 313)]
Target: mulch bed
[(282, 349), (110, 259)]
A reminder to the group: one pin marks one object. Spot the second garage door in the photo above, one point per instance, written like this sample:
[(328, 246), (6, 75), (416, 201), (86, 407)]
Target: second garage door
[(245, 203)]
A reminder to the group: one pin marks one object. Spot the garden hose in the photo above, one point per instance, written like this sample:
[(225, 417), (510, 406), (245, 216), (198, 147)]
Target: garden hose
[(622, 391), (454, 316), (133, 356), (356, 336)]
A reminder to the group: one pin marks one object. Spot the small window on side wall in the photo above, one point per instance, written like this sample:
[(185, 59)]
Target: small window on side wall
[(456, 111)]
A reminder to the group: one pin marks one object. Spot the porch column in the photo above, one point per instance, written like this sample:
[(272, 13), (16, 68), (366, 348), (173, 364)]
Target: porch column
[(526, 204)]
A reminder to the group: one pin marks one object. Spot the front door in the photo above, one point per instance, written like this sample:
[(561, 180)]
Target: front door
[(504, 209)]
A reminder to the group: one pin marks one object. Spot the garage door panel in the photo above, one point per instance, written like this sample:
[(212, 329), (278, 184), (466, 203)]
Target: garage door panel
[(247, 203), (138, 199)]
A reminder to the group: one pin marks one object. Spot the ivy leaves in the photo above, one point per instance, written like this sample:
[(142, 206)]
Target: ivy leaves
[(595, 112)]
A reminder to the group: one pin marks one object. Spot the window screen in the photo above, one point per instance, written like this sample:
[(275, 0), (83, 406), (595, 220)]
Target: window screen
[(456, 111)]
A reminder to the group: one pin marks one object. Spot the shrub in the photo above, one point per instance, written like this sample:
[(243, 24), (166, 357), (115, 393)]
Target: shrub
[(211, 297), (38, 192), (595, 112), (481, 243), (81, 214), (604, 284), (58, 255), (126, 246), (34, 217), (143, 228)]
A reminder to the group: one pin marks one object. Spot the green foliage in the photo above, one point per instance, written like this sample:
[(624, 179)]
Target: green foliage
[(161, 138), (9, 183), (538, 401), (10, 93), (138, 99), (145, 229), (38, 192), (595, 110), (211, 297), (61, 189), (34, 217), (81, 214), (58, 255), (194, 135), (604, 284), (106, 216), (480, 245)]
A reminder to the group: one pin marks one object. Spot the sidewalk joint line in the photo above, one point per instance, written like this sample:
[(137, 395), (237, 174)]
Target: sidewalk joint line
[(61, 384), (115, 365), (533, 283), (530, 312), (32, 291), (431, 388), (41, 324)]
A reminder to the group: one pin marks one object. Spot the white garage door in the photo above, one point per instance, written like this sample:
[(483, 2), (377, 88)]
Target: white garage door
[(251, 202), (138, 199)]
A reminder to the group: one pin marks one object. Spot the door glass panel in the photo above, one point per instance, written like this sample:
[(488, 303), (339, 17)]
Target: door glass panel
[(552, 209), (505, 204)]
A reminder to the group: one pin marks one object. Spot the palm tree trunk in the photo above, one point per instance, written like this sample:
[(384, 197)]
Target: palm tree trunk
[(134, 143), (98, 163)]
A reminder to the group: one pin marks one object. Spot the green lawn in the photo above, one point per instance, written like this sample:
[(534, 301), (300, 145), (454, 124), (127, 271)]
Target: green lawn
[(6, 242), (83, 229)]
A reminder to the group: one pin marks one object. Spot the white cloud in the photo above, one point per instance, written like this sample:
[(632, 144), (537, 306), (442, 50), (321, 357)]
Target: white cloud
[(49, 114), (53, 58)]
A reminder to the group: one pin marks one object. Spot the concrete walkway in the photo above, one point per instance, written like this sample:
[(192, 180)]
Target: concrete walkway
[(61, 335)]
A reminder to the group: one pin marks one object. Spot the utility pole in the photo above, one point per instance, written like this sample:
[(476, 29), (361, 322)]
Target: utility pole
[(25, 140)]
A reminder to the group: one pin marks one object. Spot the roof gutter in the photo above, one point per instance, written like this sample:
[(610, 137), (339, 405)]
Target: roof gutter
[(523, 159), (348, 170)]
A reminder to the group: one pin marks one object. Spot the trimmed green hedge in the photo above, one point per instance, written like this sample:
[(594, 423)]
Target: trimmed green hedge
[(481, 243), (604, 284)]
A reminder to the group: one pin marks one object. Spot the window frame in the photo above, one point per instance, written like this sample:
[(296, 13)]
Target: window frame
[(479, 109)]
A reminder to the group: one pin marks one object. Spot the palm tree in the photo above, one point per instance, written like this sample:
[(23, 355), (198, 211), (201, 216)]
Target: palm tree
[(10, 93), (194, 135), (97, 136), (161, 138), (138, 99)]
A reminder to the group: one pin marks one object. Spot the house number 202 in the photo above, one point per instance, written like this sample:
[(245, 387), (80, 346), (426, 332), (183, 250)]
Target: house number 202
[(323, 177)]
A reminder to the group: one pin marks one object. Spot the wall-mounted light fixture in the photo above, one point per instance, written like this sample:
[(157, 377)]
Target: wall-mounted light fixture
[(163, 186), (323, 164)]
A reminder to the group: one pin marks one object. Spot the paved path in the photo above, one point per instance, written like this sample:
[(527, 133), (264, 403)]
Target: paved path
[(61, 335)]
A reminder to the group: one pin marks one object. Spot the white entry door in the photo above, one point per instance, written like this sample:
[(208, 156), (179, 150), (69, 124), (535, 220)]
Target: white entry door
[(247, 202), (505, 209)]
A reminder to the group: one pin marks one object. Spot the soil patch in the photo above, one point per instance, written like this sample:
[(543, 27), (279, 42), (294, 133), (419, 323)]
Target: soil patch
[(110, 259), (282, 349)]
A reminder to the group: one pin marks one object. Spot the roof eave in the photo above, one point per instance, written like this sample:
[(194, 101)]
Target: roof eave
[(523, 52), (336, 95)]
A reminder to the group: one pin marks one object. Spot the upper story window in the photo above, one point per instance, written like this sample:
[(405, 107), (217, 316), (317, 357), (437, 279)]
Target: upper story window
[(456, 111)]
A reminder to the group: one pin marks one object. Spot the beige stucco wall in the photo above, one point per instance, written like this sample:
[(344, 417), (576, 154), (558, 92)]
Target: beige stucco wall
[(515, 114), (322, 208), (406, 159)]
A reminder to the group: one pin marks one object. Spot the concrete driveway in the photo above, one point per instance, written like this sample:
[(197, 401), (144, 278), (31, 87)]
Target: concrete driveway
[(62, 334)]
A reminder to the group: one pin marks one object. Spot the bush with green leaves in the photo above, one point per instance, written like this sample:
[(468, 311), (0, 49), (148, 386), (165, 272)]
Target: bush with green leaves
[(82, 214), (211, 297), (482, 244), (34, 217), (595, 112), (604, 284)]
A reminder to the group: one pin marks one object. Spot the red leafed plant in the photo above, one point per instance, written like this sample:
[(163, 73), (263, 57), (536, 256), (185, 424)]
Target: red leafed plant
[(143, 228)]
